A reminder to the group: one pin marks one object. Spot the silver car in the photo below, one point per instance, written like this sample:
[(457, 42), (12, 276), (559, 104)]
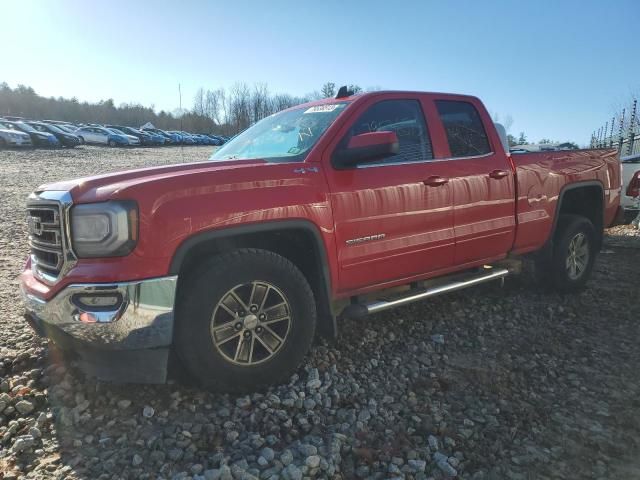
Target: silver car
[(13, 138), (93, 135)]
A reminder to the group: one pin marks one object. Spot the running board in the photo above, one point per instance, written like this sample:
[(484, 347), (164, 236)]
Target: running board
[(457, 282)]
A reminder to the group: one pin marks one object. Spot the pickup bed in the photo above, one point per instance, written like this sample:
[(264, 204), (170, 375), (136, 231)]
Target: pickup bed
[(336, 208)]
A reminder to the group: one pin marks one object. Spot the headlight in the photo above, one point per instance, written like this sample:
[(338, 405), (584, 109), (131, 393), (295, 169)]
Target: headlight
[(106, 229)]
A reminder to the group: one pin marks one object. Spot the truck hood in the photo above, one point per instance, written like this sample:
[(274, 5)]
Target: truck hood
[(104, 187)]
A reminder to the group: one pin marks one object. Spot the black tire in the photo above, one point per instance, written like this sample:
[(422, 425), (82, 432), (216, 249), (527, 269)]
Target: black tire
[(201, 297), (81, 140), (561, 271), (3, 143), (111, 143)]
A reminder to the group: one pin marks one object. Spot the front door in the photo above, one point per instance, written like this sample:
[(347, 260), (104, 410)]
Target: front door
[(393, 217)]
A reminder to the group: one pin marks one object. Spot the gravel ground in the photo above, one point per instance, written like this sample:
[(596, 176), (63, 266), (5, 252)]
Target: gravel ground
[(489, 383)]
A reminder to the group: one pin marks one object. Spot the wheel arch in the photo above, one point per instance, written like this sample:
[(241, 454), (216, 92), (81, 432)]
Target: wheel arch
[(288, 238), (569, 202)]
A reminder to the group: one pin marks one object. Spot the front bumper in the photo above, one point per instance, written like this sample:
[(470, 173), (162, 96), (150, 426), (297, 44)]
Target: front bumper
[(128, 341)]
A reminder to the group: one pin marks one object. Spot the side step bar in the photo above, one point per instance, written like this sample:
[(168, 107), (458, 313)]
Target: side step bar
[(359, 310)]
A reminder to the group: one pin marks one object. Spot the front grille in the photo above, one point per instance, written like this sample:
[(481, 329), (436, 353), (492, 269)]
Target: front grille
[(45, 220)]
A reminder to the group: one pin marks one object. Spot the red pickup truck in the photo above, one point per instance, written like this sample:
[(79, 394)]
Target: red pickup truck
[(340, 207)]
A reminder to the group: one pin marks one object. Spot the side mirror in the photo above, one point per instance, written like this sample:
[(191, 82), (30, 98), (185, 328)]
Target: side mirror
[(367, 147)]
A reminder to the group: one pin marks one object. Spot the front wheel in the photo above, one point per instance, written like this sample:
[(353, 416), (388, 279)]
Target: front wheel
[(574, 253), (244, 320)]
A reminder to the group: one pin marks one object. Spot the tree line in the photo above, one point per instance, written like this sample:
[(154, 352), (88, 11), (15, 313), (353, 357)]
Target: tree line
[(219, 110)]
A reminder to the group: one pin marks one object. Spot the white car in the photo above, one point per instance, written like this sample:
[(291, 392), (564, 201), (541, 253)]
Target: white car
[(13, 138), (630, 172)]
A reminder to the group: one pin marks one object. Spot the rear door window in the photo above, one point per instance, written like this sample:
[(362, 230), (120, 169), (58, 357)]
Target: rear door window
[(465, 132)]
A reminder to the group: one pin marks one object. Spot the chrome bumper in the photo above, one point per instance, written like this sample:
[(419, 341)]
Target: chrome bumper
[(142, 317)]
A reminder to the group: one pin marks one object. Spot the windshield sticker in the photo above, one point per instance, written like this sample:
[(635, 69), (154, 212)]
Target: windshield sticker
[(324, 108)]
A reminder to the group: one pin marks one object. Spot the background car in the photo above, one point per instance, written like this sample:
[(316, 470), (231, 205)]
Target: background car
[(185, 139), (65, 138), (67, 127), (156, 138), (217, 140), (13, 138), (38, 139), (173, 138), (101, 136), (145, 138), (630, 199), (132, 140)]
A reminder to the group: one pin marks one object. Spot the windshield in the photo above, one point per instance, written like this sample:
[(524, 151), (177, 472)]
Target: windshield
[(25, 127), (286, 136), (52, 128), (117, 132)]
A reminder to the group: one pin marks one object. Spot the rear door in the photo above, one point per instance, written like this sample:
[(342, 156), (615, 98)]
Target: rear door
[(482, 181), (389, 223), (88, 134), (101, 135)]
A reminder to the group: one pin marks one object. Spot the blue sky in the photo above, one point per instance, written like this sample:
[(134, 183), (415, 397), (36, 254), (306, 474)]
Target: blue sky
[(558, 68)]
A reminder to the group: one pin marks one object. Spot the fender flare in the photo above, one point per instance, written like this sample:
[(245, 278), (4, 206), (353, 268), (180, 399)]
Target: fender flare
[(548, 246), (274, 226)]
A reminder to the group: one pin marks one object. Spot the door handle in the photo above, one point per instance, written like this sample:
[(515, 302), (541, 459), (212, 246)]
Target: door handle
[(435, 181), (498, 174)]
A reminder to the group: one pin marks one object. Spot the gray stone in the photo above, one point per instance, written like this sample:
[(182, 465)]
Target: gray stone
[(25, 407), (286, 457), (293, 472), (148, 411), (417, 465), (213, 474), (23, 442), (313, 461), (175, 454), (268, 454)]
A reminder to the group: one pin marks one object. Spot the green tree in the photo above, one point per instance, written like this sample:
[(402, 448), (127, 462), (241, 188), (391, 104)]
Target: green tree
[(522, 139)]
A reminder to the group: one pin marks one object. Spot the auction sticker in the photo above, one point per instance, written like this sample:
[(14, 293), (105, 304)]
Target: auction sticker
[(324, 108)]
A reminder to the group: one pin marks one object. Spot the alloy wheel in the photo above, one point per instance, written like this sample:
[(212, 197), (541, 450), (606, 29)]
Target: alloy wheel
[(578, 256), (250, 323)]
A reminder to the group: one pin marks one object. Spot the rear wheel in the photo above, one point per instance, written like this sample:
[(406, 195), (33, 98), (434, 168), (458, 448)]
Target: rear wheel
[(111, 143), (574, 252), (244, 320), (81, 140)]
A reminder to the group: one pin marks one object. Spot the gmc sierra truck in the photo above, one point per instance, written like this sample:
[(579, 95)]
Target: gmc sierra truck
[(337, 208)]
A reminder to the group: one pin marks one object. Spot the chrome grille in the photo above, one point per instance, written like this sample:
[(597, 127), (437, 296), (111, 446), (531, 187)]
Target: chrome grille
[(51, 254)]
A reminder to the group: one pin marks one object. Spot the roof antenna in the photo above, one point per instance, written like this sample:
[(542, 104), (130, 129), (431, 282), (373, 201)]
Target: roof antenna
[(344, 92)]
